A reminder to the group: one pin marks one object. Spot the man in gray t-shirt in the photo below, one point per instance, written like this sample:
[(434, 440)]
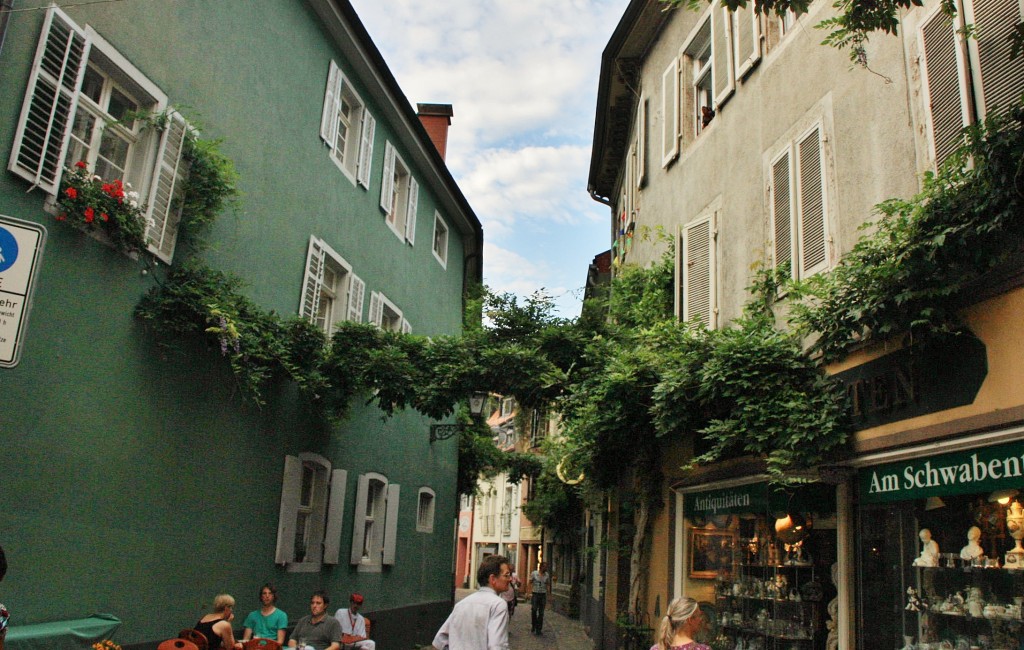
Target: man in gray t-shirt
[(539, 598), (317, 630)]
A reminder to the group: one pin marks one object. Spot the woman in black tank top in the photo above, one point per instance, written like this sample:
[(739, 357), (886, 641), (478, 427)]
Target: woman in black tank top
[(216, 626)]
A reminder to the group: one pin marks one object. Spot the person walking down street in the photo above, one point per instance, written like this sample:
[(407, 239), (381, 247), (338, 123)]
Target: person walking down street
[(317, 630), (510, 595), (353, 625), (480, 620), (539, 581), (682, 621), (267, 622)]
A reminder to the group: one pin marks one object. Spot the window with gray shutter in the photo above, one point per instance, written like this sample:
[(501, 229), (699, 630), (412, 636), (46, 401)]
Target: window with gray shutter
[(698, 271), (782, 212), (948, 111), (811, 220)]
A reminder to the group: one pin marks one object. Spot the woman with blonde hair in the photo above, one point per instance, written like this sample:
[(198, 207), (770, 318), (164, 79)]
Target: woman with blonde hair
[(682, 621), (216, 626)]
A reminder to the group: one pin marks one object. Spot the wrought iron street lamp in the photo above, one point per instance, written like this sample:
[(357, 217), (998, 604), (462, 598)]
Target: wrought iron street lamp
[(445, 431)]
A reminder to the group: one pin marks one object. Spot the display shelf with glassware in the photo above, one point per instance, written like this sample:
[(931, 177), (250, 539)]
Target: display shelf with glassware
[(774, 600), (969, 600)]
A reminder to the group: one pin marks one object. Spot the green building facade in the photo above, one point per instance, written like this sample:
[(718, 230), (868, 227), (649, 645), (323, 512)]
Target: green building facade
[(138, 481)]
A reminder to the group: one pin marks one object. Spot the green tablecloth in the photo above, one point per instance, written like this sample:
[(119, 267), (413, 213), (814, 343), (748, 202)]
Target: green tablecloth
[(58, 635)]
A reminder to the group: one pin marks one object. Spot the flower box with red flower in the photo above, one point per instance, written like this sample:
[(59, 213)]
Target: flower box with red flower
[(112, 208)]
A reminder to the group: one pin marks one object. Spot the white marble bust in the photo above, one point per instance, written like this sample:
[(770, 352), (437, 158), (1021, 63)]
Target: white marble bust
[(929, 550), (973, 548)]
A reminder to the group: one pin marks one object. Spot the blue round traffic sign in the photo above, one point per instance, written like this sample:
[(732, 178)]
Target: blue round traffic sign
[(8, 249)]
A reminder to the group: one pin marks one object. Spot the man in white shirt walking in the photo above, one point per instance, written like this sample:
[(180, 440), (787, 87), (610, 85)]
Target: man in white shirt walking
[(480, 621)]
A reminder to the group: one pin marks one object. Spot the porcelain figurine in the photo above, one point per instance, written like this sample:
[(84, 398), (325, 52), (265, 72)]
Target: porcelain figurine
[(1015, 526), (973, 548), (929, 550)]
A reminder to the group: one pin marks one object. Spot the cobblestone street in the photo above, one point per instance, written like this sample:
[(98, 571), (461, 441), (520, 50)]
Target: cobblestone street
[(560, 633)]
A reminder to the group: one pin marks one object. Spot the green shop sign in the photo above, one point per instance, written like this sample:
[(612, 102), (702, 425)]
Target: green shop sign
[(759, 498), (978, 470)]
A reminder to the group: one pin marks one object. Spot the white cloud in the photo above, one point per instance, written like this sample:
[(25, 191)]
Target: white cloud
[(522, 79)]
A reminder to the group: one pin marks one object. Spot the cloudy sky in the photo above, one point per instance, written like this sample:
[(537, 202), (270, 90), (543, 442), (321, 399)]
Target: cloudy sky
[(522, 77)]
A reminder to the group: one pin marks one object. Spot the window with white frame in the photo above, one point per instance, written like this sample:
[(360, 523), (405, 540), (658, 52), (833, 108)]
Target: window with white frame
[(375, 523), (440, 240), (399, 196), (312, 507), (799, 206), (81, 105), (385, 315), (347, 127), (710, 76), (696, 270), (967, 77), (702, 109), (507, 510), (331, 292), (425, 511)]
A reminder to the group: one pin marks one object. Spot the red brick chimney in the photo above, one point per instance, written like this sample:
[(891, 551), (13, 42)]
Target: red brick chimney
[(436, 118)]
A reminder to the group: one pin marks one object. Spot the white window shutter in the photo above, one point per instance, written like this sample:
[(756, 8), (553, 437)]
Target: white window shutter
[(699, 271), (388, 179), (723, 71), (670, 113), (359, 520), (747, 39), (1002, 78), (41, 139), (366, 149), (335, 516), (163, 215), (782, 213), (313, 280), (641, 148), (356, 291), (678, 275), (291, 488), (812, 245), (376, 308), (410, 215), (391, 525), (332, 101), (406, 327), (946, 84)]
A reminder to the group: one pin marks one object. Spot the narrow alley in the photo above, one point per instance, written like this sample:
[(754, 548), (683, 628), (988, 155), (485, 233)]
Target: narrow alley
[(560, 632)]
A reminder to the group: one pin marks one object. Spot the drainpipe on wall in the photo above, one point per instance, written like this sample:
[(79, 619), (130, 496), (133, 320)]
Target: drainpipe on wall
[(6, 7)]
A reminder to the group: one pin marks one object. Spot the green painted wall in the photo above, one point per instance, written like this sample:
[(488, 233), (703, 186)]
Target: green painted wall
[(135, 481)]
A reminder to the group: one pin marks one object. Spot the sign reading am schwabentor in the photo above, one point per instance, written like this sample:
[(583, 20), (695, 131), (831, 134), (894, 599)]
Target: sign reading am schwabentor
[(963, 472)]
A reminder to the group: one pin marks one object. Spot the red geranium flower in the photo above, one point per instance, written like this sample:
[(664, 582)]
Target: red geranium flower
[(104, 216), (71, 192), (61, 216), (89, 215), (80, 164)]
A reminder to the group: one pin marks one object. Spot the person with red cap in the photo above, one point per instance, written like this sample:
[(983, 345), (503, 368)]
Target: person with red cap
[(353, 625)]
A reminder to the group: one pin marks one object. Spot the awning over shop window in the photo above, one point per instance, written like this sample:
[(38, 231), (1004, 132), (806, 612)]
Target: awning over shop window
[(963, 472), (760, 498)]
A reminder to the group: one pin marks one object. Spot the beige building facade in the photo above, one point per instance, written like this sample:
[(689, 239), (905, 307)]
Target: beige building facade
[(748, 143)]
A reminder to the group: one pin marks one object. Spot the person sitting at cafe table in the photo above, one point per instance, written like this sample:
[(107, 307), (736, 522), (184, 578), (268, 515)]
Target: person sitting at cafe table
[(267, 622), (216, 626), (353, 625), (317, 629)]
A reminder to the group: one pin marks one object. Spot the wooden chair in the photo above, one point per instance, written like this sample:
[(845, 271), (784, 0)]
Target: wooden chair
[(261, 644), (197, 638), (177, 644)]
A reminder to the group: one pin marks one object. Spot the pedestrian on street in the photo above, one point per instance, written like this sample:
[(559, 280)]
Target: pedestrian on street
[(317, 630), (480, 620), (511, 595), (682, 621), (539, 581)]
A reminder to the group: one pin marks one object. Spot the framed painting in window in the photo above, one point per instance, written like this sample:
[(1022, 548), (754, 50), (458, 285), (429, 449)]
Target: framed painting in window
[(711, 553)]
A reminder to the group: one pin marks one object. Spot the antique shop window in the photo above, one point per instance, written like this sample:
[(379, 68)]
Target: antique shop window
[(760, 561), (940, 561)]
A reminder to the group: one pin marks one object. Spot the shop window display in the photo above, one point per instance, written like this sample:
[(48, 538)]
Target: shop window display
[(942, 572), (764, 571)]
